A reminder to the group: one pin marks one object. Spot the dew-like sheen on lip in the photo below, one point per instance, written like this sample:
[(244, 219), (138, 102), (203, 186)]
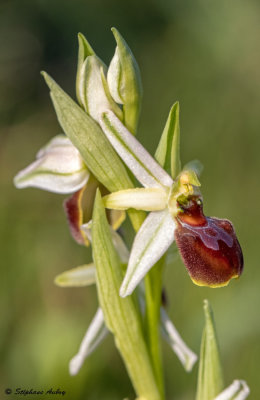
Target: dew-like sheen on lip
[(208, 246)]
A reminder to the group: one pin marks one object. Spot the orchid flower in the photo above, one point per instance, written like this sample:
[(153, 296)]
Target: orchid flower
[(85, 275), (58, 168), (208, 246)]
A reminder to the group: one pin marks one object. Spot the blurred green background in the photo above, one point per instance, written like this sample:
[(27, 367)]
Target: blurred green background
[(204, 54)]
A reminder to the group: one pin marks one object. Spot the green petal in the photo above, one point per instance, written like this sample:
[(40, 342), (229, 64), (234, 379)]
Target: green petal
[(168, 150)]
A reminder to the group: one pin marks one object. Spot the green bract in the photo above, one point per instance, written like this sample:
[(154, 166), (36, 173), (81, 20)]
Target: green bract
[(124, 82), (120, 315), (85, 50), (210, 378)]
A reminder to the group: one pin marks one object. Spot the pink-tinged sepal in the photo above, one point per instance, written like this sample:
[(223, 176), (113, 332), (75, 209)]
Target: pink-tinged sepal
[(208, 246)]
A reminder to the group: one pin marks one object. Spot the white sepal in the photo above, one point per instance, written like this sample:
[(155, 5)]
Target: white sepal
[(92, 89), (238, 390), (58, 168), (148, 199), (83, 275), (186, 356), (96, 332), (152, 240), (113, 77), (139, 161)]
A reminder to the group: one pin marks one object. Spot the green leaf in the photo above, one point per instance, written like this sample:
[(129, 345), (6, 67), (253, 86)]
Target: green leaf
[(121, 315), (125, 74), (168, 150), (210, 378), (89, 139), (85, 50)]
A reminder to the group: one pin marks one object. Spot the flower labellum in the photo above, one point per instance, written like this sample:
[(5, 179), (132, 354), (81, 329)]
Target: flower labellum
[(208, 246)]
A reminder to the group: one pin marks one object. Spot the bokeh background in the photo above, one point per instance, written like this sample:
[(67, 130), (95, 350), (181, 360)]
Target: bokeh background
[(204, 54)]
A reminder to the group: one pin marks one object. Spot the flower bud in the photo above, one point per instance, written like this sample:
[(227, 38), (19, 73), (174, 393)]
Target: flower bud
[(124, 82), (93, 89), (58, 168), (208, 246)]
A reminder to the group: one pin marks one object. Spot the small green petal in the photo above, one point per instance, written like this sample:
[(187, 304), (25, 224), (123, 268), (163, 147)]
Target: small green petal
[(168, 150)]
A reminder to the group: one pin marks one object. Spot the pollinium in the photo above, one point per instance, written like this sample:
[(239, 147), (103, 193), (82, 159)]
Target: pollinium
[(208, 246)]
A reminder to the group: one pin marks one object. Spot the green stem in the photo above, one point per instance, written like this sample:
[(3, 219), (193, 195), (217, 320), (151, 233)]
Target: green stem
[(153, 290)]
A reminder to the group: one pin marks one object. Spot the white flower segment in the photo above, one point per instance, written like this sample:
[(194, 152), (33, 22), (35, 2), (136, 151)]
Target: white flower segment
[(96, 332), (186, 356), (238, 390), (152, 240), (58, 168)]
